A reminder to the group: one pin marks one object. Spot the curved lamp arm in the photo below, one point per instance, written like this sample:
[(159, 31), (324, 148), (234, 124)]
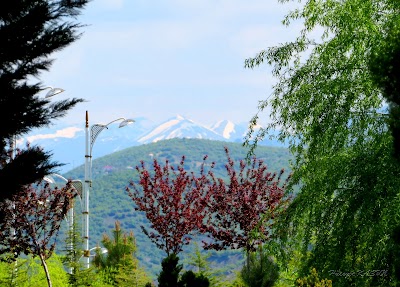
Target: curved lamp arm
[(96, 129), (76, 184), (102, 249)]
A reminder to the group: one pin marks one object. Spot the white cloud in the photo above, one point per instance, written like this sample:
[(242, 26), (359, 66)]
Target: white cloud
[(64, 133)]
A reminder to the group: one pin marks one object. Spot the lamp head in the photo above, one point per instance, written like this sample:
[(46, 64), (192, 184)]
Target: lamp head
[(126, 122), (53, 92), (49, 179)]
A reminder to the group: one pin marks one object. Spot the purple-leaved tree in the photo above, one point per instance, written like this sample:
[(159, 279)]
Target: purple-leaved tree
[(32, 220), (173, 200), (248, 200)]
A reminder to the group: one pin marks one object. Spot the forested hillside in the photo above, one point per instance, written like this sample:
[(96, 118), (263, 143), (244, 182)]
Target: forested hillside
[(112, 173)]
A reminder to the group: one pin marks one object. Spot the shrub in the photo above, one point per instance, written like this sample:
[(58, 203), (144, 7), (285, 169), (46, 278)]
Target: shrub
[(169, 274), (312, 280), (191, 279), (260, 270)]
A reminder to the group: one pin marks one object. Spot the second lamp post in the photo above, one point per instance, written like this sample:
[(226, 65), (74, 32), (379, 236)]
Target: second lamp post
[(90, 138)]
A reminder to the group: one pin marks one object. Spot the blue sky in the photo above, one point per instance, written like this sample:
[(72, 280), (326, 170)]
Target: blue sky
[(157, 59)]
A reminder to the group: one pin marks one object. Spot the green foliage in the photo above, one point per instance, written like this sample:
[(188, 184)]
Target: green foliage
[(384, 66), (9, 273), (288, 271), (119, 266), (190, 279), (169, 274), (236, 282), (200, 262), (78, 275), (120, 250), (28, 272), (73, 252), (312, 280), (260, 270), (329, 107)]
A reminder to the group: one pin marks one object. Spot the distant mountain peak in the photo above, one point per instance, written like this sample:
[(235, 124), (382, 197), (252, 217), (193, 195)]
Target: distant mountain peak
[(179, 127), (180, 118), (225, 128)]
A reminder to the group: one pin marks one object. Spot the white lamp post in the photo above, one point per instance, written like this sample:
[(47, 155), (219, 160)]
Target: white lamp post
[(77, 185), (90, 137)]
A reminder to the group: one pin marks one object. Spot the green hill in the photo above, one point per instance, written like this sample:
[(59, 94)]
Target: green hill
[(111, 174)]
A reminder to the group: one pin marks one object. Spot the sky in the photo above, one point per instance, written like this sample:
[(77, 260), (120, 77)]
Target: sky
[(157, 59)]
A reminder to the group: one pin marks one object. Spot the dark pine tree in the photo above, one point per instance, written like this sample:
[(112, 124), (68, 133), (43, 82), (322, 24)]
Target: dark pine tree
[(169, 274), (30, 31), (191, 279)]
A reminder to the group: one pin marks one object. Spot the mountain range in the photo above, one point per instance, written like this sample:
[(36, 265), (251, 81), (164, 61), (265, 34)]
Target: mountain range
[(67, 143)]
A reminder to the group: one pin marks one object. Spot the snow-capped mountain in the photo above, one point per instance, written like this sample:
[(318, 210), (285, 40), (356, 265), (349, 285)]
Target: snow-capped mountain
[(225, 128), (179, 127), (229, 130), (67, 143)]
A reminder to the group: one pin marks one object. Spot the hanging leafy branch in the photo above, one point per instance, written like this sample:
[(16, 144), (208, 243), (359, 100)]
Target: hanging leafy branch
[(384, 67), (336, 85)]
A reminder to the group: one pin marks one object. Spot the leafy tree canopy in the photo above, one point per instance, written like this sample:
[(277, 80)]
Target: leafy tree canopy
[(336, 115)]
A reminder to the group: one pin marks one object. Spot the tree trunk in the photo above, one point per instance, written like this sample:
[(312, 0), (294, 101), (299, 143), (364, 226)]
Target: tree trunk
[(46, 270)]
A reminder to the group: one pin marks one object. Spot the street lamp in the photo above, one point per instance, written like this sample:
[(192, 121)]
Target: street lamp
[(102, 250), (77, 185), (90, 137), (53, 91)]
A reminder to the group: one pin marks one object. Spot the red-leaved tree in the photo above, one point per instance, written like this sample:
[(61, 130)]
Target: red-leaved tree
[(32, 220), (250, 200), (173, 201)]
